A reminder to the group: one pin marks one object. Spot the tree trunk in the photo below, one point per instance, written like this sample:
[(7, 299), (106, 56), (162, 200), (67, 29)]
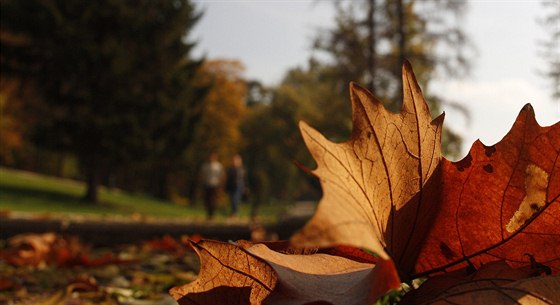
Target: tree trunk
[(162, 184), (371, 56), (60, 160), (92, 180), (401, 43)]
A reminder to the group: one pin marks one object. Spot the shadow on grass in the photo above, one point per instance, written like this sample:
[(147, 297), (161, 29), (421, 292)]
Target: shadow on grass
[(44, 199), (13, 191)]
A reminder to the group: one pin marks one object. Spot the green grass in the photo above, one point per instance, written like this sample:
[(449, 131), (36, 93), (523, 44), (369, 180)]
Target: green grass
[(22, 191)]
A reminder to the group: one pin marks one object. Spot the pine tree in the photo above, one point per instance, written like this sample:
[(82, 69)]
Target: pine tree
[(114, 78)]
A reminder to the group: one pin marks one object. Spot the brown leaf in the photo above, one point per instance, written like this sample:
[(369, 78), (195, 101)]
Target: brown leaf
[(29, 249), (375, 185), (228, 275), (388, 190), (284, 246), (500, 202), (249, 273), (304, 279), (493, 274), (531, 291)]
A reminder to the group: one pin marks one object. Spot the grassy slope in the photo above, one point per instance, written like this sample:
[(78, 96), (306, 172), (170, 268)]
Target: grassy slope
[(28, 192)]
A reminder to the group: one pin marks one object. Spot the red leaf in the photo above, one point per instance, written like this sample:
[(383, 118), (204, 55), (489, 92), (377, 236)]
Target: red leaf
[(501, 202)]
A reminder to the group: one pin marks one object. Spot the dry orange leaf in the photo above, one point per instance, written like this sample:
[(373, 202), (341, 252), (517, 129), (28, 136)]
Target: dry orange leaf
[(228, 275), (491, 275), (532, 291), (304, 279), (254, 274), (388, 190), (376, 186), (30, 249)]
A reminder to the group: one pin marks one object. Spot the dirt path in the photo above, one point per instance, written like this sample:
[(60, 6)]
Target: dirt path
[(111, 231)]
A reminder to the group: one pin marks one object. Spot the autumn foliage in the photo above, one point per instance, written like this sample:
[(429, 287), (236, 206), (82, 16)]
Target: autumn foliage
[(483, 230)]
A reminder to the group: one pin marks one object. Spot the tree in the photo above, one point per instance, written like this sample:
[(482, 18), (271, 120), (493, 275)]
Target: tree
[(274, 142), (550, 49), (114, 78), (371, 40), (11, 128), (218, 129), (223, 108)]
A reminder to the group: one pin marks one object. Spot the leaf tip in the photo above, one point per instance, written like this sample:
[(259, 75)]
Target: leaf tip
[(528, 107), (308, 132), (407, 66), (356, 90), (303, 125), (408, 72), (438, 121), (529, 113)]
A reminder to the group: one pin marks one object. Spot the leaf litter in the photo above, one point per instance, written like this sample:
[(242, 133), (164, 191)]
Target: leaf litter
[(49, 268)]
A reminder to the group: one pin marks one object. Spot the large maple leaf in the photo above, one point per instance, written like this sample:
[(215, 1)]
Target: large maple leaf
[(388, 190), (378, 187)]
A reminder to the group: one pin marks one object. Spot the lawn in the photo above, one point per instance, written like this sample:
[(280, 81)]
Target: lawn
[(22, 191)]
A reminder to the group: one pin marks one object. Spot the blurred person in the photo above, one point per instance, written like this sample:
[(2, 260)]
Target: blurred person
[(235, 183), (212, 173)]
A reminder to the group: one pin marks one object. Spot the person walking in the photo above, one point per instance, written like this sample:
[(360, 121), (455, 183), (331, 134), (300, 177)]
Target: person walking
[(212, 174), (235, 183)]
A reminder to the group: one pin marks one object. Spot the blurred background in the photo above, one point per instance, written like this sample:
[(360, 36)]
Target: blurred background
[(130, 97), (110, 109)]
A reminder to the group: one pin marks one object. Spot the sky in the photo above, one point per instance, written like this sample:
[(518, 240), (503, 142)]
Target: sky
[(271, 36)]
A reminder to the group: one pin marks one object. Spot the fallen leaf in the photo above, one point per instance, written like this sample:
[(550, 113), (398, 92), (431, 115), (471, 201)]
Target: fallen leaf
[(36, 250), (305, 279), (389, 191), (376, 186), (501, 202), (168, 244), (285, 247), (228, 275), (29, 249), (493, 274), (248, 273), (531, 291)]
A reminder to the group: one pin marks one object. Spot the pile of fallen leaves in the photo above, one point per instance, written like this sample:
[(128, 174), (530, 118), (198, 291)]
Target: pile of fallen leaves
[(52, 269), (396, 215)]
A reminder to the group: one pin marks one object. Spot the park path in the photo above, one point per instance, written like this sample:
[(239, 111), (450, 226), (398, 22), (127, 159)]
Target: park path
[(111, 231)]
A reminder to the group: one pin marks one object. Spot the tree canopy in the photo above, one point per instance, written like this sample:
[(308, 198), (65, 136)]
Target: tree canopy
[(114, 78), (371, 40)]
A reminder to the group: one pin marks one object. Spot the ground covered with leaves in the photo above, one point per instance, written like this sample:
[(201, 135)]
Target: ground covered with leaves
[(49, 269)]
